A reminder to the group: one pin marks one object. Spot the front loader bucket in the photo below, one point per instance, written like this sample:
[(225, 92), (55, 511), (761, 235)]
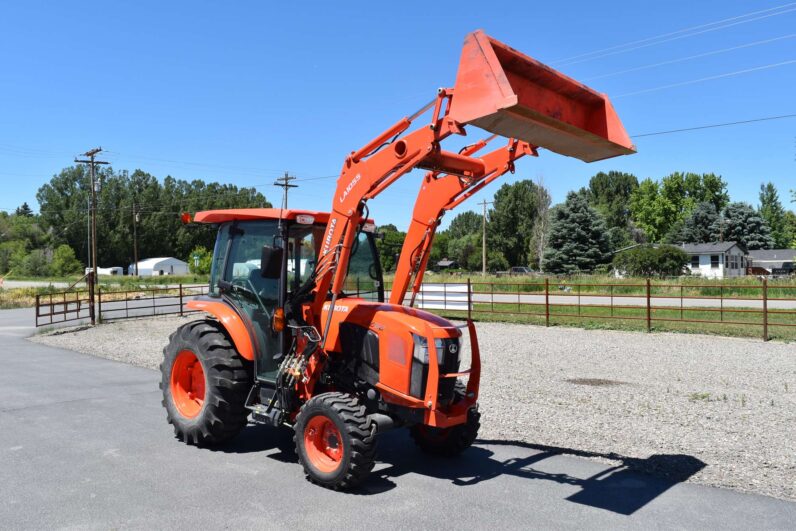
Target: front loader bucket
[(507, 93)]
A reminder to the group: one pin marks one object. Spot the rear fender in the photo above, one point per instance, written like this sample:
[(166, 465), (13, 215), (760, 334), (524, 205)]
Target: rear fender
[(229, 318)]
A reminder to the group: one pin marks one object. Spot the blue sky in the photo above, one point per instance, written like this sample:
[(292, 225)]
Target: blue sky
[(242, 91)]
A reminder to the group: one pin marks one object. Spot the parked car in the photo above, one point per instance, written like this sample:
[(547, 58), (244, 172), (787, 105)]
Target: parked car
[(516, 271)]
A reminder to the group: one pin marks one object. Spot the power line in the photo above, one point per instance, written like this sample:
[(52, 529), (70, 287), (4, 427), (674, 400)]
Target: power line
[(688, 58), (700, 80), (675, 35), (711, 126)]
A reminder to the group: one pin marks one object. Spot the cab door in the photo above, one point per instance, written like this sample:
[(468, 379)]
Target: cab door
[(255, 297)]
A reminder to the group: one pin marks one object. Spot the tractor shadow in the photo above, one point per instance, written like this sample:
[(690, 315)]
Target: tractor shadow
[(623, 487)]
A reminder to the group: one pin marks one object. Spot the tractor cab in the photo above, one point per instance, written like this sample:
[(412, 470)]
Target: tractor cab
[(262, 260)]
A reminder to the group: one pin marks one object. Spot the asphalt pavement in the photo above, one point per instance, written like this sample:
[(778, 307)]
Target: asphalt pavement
[(84, 444)]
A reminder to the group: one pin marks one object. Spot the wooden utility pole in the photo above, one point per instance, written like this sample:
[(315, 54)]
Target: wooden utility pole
[(484, 203), (284, 183), (135, 238), (94, 189)]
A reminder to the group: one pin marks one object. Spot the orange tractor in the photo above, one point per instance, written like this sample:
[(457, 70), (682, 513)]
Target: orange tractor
[(299, 332)]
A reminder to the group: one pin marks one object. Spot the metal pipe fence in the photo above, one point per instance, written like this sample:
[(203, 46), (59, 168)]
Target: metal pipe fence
[(650, 302)]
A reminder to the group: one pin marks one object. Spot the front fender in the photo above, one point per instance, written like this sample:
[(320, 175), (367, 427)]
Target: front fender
[(233, 324)]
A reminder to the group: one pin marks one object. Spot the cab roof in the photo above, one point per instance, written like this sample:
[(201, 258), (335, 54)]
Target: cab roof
[(241, 214)]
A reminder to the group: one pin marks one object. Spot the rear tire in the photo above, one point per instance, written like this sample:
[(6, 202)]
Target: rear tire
[(205, 383), (448, 442), (335, 440)]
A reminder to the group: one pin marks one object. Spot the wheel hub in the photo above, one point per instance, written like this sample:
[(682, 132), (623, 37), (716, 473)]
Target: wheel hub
[(187, 384), (323, 443)]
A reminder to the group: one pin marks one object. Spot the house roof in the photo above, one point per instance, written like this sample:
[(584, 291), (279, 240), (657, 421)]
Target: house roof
[(151, 262), (773, 255), (707, 248), (446, 263)]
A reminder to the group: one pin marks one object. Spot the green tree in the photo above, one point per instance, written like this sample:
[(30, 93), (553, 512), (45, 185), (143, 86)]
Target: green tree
[(743, 224), (511, 221), (467, 222), (466, 251), (609, 194), (790, 228), (578, 239), (698, 226), (660, 208), (64, 261), (648, 261), (773, 213), (23, 210), (200, 260), (12, 252), (389, 247)]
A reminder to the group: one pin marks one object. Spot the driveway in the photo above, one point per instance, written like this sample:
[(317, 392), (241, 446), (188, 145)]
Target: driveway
[(84, 443)]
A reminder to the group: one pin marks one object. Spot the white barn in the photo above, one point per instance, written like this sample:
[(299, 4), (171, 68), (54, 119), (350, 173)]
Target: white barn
[(155, 267)]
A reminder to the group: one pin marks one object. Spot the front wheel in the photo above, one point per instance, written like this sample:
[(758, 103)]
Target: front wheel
[(335, 440)]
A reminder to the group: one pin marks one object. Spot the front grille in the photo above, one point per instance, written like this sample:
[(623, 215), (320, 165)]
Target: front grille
[(448, 357)]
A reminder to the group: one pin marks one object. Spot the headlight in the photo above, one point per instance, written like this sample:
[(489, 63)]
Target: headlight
[(420, 352)]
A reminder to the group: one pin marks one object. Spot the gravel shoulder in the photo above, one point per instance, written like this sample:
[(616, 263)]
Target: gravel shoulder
[(650, 401)]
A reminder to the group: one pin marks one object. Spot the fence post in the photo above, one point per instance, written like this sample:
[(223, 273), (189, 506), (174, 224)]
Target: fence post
[(469, 300), (547, 301), (765, 309), (99, 304), (649, 309), (91, 308), (181, 311)]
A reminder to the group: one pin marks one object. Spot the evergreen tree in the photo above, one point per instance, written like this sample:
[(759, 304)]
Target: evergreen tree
[(23, 210), (743, 224), (467, 222), (772, 211), (698, 227), (578, 240)]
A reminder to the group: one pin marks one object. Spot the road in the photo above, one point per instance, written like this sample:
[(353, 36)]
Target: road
[(84, 443)]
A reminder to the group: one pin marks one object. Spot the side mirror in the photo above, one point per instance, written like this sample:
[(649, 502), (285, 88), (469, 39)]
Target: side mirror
[(271, 262)]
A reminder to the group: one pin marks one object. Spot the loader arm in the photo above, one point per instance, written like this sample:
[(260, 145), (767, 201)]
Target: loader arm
[(438, 194), (497, 89)]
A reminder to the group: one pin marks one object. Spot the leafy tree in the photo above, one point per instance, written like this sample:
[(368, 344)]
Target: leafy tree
[(609, 194), (648, 261), (467, 222), (495, 261), (200, 260), (698, 226), (466, 251), (12, 252), (439, 247), (578, 239), (658, 208), (389, 246), (772, 211), (541, 226), (33, 264), (64, 261), (743, 224), (790, 228), (64, 206), (511, 221)]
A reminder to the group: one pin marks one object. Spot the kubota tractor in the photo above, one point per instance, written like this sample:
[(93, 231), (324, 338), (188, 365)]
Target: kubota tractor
[(298, 331)]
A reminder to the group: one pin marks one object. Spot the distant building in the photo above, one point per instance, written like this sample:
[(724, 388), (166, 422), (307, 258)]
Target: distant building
[(716, 260), (107, 270), (154, 267), (447, 264), (773, 261)]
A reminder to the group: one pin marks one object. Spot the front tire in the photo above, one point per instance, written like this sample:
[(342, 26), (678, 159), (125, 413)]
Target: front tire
[(448, 442), (335, 440), (204, 383)]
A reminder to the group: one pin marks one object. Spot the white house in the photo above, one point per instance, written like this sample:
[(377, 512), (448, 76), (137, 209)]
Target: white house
[(154, 267), (116, 270), (716, 260)]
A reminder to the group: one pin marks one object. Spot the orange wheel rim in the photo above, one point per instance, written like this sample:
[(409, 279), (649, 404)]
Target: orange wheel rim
[(323, 444), (188, 384)]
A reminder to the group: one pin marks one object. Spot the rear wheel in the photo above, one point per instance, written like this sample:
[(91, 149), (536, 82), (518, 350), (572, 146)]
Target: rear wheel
[(448, 441), (204, 382), (335, 440)]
